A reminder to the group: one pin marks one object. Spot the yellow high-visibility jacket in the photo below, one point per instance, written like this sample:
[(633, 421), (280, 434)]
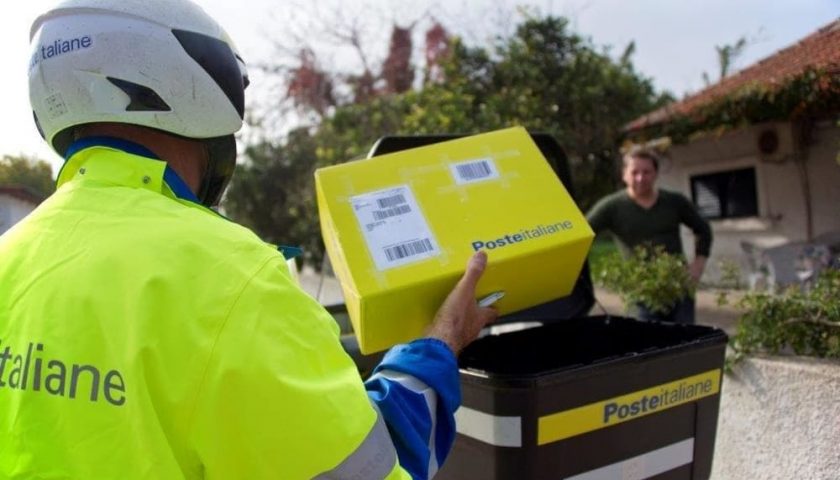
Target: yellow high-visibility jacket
[(144, 336)]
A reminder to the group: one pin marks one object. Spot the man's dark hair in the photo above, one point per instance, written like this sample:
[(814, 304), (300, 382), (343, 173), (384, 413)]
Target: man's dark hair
[(643, 154)]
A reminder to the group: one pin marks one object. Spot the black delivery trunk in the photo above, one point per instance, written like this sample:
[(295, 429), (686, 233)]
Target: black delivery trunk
[(571, 396)]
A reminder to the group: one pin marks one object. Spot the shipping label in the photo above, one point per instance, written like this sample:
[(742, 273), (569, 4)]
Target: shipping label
[(394, 228)]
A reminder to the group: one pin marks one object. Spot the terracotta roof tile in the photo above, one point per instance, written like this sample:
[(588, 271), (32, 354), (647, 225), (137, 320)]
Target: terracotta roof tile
[(821, 49)]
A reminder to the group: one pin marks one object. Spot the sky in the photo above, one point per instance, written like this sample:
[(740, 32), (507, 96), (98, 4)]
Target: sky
[(675, 39)]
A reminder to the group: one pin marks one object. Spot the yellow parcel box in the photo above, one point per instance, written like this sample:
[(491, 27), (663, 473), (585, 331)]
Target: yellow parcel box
[(399, 230)]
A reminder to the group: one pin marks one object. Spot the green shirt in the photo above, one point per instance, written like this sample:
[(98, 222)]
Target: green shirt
[(633, 225)]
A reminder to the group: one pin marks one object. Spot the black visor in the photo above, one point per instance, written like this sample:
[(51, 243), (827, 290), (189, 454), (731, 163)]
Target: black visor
[(219, 61)]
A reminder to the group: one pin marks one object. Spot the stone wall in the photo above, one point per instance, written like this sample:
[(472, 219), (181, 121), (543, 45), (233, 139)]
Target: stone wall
[(779, 420)]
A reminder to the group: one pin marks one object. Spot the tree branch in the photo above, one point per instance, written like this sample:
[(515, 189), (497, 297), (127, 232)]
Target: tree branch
[(814, 321)]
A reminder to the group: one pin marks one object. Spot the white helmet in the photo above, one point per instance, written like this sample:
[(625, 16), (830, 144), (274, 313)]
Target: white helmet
[(163, 64)]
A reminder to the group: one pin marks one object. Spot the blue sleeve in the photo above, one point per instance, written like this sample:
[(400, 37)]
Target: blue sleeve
[(421, 436)]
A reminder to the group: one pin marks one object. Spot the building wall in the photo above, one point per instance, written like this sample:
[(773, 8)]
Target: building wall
[(779, 187), (12, 210), (824, 175)]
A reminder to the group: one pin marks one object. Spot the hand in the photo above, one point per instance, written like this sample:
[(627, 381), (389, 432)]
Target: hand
[(695, 269), (460, 319)]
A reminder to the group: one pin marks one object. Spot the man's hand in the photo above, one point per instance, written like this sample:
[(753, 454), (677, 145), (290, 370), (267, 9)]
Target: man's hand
[(460, 319), (695, 269)]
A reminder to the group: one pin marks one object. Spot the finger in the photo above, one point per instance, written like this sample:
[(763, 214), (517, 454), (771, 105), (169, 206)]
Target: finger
[(475, 267), (487, 315)]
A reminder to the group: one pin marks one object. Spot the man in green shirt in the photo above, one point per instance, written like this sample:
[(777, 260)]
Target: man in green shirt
[(643, 214)]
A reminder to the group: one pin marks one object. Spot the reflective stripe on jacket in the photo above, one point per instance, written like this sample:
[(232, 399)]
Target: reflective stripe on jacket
[(144, 336)]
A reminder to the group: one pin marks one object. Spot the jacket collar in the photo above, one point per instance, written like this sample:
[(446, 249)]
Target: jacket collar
[(121, 162), (127, 163)]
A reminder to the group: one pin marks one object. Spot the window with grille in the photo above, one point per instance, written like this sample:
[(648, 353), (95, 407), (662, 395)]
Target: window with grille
[(729, 194)]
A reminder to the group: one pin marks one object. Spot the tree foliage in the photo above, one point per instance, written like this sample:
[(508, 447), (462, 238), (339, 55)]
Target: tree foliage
[(397, 70), (273, 194), (309, 86), (727, 55), (543, 77), (29, 172)]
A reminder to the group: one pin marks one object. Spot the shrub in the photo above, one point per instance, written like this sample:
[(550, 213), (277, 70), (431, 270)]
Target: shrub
[(650, 277), (802, 320)]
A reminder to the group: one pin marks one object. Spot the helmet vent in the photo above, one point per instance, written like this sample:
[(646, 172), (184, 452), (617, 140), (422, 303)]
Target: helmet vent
[(142, 98)]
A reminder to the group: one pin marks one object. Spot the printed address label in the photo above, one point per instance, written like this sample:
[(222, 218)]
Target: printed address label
[(394, 228)]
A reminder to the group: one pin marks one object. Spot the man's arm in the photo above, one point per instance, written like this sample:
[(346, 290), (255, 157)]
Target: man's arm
[(599, 216), (416, 390), (416, 387), (696, 268), (702, 237)]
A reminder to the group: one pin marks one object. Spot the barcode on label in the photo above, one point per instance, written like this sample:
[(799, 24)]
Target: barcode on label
[(408, 249), (391, 212), (388, 202), (474, 170)]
